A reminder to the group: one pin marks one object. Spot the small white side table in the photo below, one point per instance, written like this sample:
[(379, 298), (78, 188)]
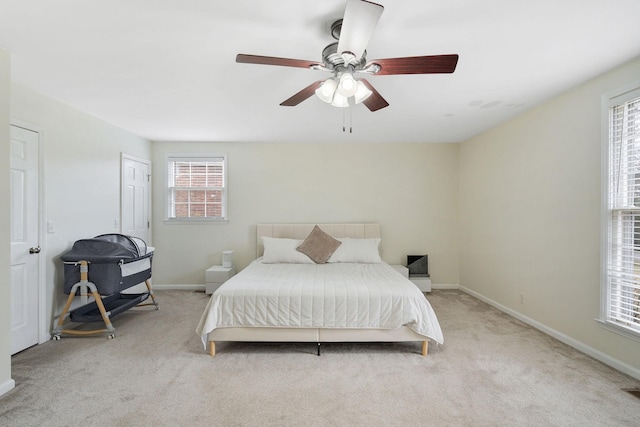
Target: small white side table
[(423, 283), (216, 275)]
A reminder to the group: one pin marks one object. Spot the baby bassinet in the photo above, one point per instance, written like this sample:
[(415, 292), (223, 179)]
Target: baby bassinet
[(103, 267)]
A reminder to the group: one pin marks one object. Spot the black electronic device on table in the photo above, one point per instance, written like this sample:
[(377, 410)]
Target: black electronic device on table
[(418, 265)]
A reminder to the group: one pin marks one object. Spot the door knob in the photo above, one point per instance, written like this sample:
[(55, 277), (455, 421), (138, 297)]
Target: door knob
[(35, 250)]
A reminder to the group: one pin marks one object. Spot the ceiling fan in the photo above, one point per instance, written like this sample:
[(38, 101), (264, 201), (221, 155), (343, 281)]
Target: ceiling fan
[(347, 57)]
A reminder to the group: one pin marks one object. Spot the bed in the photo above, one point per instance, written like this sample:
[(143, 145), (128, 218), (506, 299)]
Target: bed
[(286, 296)]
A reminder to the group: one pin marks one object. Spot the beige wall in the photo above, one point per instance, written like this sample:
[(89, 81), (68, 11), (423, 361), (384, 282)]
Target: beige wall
[(530, 214), (82, 177), (410, 189), (5, 320)]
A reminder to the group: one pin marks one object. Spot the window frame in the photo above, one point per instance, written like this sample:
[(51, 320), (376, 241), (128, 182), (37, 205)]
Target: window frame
[(609, 101), (195, 157)]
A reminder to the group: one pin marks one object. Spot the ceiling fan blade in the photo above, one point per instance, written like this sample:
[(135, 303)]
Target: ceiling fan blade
[(360, 19), (433, 64), (305, 93), (273, 60), (375, 101)]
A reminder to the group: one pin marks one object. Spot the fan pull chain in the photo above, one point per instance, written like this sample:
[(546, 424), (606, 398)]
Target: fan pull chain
[(350, 121), (344, 120)]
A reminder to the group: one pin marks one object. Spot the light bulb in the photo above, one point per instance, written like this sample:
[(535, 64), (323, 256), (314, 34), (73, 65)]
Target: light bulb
[(339, 100), (347, 83), (326, 90), (347, 86), (362, 92)]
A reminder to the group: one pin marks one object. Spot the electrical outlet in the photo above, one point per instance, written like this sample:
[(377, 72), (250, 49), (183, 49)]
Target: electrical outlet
[(521, 298), (116, 223), (51, 227)]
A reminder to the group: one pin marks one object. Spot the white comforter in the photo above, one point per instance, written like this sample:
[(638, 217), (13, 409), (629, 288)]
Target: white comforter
[(320, 296)]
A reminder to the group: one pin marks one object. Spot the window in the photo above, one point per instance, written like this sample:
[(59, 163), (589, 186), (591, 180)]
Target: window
[(621, 287), (197, 188)]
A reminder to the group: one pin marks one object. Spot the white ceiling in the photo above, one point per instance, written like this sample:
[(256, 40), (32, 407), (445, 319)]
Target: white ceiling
[(166, 70)]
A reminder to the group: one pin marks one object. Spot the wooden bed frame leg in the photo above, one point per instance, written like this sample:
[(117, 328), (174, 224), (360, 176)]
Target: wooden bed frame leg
[(212, 348), (425, 347)]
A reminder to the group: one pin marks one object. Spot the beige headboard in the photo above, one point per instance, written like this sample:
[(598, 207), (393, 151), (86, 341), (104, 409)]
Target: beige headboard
[(301, 231)]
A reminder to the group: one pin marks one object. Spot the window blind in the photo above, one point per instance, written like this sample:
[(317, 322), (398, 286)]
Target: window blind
[(622, 306), (196, 188)]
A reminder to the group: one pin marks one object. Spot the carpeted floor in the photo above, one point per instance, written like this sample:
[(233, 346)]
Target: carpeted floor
[(492, 371)]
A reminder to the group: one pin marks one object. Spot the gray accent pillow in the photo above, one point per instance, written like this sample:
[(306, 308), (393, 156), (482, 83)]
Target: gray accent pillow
[(318, 246)]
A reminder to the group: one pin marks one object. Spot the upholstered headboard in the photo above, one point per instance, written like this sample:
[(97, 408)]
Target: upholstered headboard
[(301, 231)]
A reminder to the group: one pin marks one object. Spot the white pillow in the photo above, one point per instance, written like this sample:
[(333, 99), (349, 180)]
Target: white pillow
[(277, 251), (357, 250)]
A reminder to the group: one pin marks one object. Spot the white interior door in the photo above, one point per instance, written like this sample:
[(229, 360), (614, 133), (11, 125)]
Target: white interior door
[(25, 247), (136, 190)]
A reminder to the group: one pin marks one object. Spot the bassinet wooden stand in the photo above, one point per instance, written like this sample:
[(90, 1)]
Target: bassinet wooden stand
[(120, 303)]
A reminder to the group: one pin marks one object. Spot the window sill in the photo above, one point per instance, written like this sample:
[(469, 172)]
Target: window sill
[(196, 221), (620, 330)]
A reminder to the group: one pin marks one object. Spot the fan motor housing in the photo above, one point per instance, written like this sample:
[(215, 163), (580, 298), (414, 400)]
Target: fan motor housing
[(334, 60)]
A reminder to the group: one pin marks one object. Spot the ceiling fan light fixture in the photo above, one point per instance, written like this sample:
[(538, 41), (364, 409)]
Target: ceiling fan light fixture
[(347, 86), (340, 101), (326, 90), (362, 92)]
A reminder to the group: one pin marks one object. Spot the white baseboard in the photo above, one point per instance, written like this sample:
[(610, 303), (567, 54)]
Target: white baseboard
[(578, 345), (7, 386), (169, 287)]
